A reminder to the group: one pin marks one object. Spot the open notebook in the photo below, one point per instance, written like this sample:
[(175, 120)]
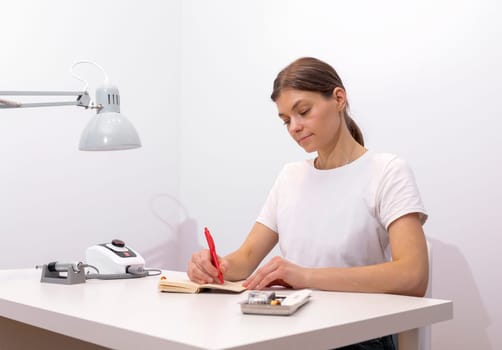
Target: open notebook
[(186, 286)]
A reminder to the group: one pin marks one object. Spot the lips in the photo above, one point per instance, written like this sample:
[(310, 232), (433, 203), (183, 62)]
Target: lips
[(304, 138)]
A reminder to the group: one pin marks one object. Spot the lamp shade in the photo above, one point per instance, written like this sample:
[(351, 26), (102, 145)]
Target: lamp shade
[(109, 130)]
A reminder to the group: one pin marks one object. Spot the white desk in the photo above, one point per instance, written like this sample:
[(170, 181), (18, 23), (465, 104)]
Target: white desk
[(132, 314)]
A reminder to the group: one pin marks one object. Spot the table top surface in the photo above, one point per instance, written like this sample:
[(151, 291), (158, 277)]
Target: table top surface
[(123, 314)]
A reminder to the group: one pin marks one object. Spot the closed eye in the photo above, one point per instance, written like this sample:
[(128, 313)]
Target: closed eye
[(304, 112)]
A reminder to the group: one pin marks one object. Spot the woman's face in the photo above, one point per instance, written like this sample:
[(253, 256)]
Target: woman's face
[(312, 120)]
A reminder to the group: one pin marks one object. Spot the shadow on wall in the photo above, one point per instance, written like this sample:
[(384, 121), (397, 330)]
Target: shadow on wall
[(182, 239), (452, 279)]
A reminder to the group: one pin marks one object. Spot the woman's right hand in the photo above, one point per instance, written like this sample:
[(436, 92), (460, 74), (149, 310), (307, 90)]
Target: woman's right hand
[(201, 269)]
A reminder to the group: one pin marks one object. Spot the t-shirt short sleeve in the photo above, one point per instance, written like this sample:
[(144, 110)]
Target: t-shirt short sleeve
[(398, 193), (268, 213)]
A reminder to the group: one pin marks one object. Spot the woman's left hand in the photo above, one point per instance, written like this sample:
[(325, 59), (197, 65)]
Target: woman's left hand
[(278, 271)]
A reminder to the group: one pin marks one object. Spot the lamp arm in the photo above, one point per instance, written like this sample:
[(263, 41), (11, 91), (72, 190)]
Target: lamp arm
[(83, 99)]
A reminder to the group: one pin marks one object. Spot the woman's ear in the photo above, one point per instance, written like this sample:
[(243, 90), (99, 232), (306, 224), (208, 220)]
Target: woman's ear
[(340, 97)]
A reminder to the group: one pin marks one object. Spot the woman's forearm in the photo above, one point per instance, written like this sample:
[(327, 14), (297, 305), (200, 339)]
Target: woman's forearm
[(239, 266), (396, 277), (242, 262)]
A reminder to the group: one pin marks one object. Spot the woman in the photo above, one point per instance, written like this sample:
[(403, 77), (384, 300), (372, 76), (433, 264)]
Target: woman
[(348, 220)]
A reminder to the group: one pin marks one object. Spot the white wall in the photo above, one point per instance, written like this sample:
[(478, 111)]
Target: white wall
[(423, 80), (55, 200), (195, 78)]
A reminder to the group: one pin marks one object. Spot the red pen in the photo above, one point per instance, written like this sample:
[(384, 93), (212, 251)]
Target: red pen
[(212, 250)]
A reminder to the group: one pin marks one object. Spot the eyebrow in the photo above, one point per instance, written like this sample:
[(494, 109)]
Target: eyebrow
[(294, 106)]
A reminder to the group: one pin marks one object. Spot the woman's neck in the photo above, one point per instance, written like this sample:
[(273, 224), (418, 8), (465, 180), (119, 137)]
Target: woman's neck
[(342, 154)]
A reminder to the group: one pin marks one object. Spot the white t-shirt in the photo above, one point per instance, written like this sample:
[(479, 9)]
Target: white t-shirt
[(339, 217)]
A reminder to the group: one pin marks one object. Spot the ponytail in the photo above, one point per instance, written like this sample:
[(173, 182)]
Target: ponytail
[(354, 129)]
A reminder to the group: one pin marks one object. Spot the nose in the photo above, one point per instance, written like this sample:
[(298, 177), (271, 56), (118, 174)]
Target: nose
[(295, 125)]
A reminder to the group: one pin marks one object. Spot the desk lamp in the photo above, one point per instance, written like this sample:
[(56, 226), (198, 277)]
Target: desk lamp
[(108, 130)]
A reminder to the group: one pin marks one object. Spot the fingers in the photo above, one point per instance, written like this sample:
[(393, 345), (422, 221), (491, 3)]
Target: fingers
[(264, 275), (279, 282), (277, 271), (200, 268), (223, 265)]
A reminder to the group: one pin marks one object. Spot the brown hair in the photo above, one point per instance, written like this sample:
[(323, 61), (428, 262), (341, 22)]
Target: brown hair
[(311, 74)]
